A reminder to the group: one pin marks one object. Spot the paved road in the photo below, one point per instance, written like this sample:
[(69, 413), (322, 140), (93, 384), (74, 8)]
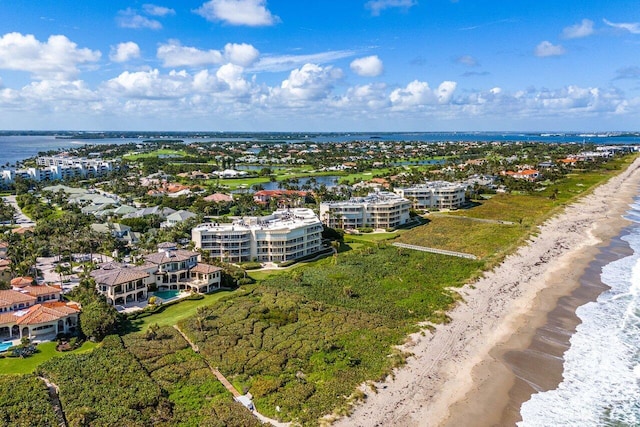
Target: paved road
[(20, 218)]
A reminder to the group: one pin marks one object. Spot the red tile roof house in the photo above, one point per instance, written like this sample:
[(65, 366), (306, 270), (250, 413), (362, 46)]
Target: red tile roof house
[(36, 312), (528, 174)]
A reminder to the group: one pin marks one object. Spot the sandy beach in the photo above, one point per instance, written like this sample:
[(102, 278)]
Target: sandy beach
[(462, 374)]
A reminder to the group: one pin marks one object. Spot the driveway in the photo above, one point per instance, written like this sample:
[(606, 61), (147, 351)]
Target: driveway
[(20, 218)]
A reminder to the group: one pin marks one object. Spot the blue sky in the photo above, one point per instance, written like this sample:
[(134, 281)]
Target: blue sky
[(335, 65)]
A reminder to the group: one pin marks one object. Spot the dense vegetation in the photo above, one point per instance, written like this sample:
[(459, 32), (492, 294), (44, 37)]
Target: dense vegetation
[(305, 339), (141, 380), (196, 395), (107, 387), (24, 402)]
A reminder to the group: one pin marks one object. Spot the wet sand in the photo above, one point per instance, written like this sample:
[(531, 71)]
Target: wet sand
[(550, 341)]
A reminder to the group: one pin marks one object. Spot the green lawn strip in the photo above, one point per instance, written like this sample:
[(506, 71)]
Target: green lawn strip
[(46, 351), (172, 314), (263, 274), (24, 401), (370, 237)]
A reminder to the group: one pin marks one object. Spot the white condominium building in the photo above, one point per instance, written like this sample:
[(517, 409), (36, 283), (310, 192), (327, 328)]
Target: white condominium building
[(284, 235), (435, 194), (377, 210)]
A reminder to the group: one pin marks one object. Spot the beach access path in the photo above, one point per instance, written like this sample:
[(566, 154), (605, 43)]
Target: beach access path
[(454, 364)]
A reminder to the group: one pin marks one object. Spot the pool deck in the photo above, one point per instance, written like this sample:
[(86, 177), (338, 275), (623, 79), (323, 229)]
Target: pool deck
[(141, 305)]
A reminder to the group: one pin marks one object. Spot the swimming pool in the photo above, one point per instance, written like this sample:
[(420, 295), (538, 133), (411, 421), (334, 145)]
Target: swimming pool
[(4, 346), (167, 295)]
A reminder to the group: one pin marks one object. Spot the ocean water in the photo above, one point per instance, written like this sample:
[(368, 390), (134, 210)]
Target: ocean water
[(601, 377)]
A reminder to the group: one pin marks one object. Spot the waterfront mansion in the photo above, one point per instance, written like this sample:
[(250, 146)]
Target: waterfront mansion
[(381, 209), (284, 235), (435, 195), (35, 311), (168, 269)]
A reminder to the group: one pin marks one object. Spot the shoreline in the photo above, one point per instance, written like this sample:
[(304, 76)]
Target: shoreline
[(550, 341), (457, 375)]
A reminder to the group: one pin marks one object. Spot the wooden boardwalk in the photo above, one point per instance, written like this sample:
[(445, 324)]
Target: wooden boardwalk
[(227, 384), (435, 250)]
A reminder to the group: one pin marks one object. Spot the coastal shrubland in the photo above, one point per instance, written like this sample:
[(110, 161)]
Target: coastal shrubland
[(139, 379), (24, 401), (304, 339), (106, 387), (196, 395)]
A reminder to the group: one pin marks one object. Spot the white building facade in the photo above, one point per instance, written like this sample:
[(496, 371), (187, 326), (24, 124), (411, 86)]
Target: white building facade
[(435, 195), (285, 235), (381, 209)]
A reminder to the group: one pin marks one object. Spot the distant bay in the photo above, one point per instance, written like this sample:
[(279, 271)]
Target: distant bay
[(17, 148)]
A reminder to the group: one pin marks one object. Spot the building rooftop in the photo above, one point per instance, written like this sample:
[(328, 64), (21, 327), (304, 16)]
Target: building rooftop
[(278, 220), (118, 276), (376, 198)]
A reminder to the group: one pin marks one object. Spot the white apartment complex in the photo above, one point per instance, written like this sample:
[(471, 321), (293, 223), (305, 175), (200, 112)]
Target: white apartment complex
[(284, 235), (53, 168), (435, 195), (381, 209)]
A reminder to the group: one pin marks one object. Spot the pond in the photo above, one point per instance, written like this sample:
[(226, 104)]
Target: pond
[(316, 181)]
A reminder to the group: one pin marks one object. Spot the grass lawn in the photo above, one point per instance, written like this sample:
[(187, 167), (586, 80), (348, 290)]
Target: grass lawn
[(370, 237), (173, 313), (263, 274), (155, 153), (46, 351)]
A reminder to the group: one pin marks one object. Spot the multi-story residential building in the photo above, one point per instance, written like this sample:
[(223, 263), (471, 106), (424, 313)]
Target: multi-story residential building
[(435, 195), (284, 235), (381, 209), (35, 312), (52, 168), (168, 269), (122, 284)]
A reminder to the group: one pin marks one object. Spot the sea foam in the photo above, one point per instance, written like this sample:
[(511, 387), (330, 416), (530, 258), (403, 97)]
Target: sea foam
[(600, 385)]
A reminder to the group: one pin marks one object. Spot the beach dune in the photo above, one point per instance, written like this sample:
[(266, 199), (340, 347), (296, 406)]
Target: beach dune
[(459, 375)]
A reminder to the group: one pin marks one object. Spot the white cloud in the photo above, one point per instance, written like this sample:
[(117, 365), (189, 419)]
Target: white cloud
[(56, 58), (241, 53), (376, 6), (252, 13), (369, 66), (467, 60), (124, 52), (419, 93), (310, 82), (546, 48), (231, 75), (370, 97), (583, 29), (155, 10), (277, 63), (174, 54), (151, 84), (129, 18), (632, 27)]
